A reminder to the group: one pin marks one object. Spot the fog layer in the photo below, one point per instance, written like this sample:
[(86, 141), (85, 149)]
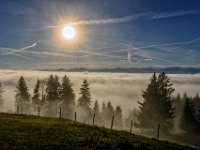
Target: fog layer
[(122, 89)]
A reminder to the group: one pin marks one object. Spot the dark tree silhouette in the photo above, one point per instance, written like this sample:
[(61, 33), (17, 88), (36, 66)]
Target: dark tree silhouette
[(109, 113), (103, 114), (1, 97), (96, 111), (85, 98), (52, 95), (178, 105), (84, 101), (157, 106), (96, 108), (67, 98), (196, 101), (36, 99), (188, 121), (118, 118), (22, 97)]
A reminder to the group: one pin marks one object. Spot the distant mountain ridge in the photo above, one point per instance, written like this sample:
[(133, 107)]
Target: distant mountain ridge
[(169, 70)]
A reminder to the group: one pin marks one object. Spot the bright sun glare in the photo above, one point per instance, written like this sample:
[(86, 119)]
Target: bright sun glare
[(68, 32)]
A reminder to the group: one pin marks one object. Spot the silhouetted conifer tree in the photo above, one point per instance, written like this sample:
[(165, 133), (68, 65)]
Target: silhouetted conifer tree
[(36, 101), (96, 108), (22, 97), (118, 118), (84, 101), (178, 104), (67, 98), (103, 114), (188, 121), (109, 113), (96, 111), (157, 105), (52, 95)]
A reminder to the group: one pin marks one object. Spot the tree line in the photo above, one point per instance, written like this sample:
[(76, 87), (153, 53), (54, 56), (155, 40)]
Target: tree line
[(158, 106), (49, 96)]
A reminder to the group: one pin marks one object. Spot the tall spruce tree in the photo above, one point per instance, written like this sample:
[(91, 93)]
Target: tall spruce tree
[(84, 101), (67, 98), (36, 101), (103, 114), (109, 113), (1, 97), (96, 108), (96, 111), (52, 95), (188, 121), (157, 105), (22, 97), (178, 105), (118, 118), (85, 98)]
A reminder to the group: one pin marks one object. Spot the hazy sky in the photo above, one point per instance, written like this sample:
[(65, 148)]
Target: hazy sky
[(109, 33)]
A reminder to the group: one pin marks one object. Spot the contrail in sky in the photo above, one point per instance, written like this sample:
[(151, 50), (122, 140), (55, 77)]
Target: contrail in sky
[(132, 17), (16, 51)]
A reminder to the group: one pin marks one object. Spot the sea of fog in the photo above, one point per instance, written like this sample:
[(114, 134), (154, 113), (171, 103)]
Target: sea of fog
[(123, 89)]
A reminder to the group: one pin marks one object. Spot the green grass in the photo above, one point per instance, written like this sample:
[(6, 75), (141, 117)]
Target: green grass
[(31, 132)]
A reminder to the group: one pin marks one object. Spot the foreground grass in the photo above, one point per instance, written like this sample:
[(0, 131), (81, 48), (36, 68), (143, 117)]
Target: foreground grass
[(31, 132)]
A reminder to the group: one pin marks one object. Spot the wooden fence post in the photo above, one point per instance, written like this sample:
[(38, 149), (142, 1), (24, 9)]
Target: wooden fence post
[(131, 126), (38, 111), (158, 131), (112, 122), (93, 119), (60, 113), (75, 117)]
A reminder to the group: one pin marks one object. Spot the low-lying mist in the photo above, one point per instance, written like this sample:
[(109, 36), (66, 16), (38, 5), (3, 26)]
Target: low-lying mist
[(123, 89)]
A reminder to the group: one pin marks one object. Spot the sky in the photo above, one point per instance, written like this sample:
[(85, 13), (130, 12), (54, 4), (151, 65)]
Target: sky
[(109, 33)]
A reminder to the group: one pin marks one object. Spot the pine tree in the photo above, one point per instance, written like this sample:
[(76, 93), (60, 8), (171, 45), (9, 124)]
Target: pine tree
[(109, 113), (188, 121), (118, 118), (43, 93), (103, 114), (22, 97), (52, 95), (96, 111), (178, 104), (1, 97), (96, 108), (67, 97), (84, 101), (157, 106), (196, 102), (36, 101)]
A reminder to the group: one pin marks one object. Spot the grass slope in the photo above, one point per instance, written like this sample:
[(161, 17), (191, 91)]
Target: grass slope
[(31, 132)]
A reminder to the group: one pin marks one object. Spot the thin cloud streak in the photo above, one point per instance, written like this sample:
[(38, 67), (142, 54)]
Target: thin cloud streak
[(133, 17), (129, 18), (15, 52)]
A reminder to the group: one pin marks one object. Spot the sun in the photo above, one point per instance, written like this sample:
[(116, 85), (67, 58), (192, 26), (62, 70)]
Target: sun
[(68, 32)]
